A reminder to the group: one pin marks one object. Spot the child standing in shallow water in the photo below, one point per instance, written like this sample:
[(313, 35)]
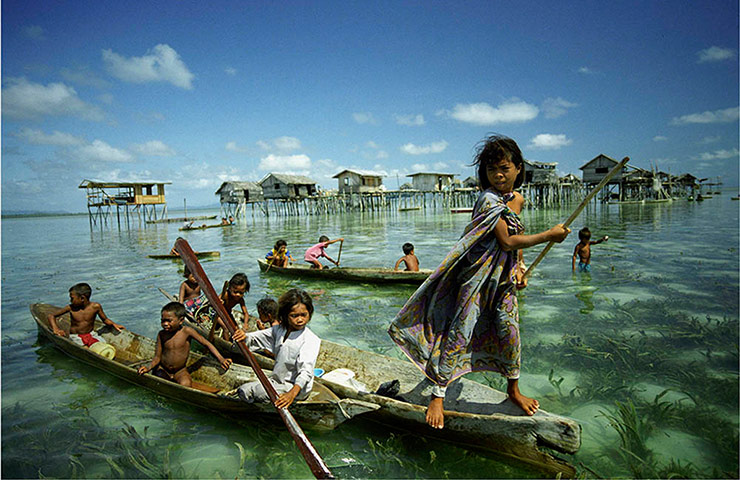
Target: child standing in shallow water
[(583, 250), (465, 316)]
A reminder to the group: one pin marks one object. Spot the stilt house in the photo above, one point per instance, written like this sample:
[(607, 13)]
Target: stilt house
[(359, 181), (431, 182), (540, 172), (287, 187), (137, 198)]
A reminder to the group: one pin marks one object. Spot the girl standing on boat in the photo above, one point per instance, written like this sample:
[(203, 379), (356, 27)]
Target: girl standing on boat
[(465, 316)]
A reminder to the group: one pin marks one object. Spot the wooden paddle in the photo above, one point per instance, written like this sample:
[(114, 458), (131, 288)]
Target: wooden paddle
[(339, 255), (314, 460), (579, 209)]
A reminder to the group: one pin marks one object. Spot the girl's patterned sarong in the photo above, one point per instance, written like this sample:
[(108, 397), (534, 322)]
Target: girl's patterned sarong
[(464, 317)]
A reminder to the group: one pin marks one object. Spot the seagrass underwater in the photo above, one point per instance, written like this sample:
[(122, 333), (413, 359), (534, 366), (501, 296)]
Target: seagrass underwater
[(642, 350)]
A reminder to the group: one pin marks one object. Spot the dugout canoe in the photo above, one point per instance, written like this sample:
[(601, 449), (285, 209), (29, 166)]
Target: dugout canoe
[(203, 227), (476, 416), (322, 410), (172, 256), (364, 275)]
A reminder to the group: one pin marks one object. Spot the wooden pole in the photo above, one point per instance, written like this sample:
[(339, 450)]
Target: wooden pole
[(314, 460), (578, 210)]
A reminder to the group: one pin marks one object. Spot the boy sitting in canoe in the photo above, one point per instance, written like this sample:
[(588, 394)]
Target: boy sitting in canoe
[(82, 314), (190, 294), (295, 347), (173, 347), (231, 296), (411, 261), (319, 250), (279, 256), (267, 308)]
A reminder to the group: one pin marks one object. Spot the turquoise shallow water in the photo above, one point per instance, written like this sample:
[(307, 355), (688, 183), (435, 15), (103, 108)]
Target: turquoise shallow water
[(647, 343)]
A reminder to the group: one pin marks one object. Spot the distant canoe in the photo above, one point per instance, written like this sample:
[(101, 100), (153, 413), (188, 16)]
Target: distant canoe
[(322, 409), (171, 256), (408, 209), (367, 275), (202, 227), (462, 210), (182, 219)]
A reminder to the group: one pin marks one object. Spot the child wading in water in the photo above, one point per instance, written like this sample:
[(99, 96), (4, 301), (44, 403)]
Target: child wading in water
[(465, 316), (583, 250)]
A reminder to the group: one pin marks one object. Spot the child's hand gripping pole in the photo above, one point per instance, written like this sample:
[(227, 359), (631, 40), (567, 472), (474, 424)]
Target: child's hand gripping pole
[(339, 255), (314, 460), (617, 168)]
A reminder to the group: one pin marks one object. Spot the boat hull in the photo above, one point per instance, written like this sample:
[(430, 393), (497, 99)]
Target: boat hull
[(322, 410), (170, 256), (364, 275), (476, 416)]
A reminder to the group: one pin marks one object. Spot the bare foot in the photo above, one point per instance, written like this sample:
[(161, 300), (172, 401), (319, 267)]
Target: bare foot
[(435, 417), (529, 405)]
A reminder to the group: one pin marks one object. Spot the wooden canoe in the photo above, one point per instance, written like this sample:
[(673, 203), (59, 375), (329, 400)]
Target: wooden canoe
[(365, 275), (462, 210), (202, 227), (322, 410), (476, 416), (172, 256)]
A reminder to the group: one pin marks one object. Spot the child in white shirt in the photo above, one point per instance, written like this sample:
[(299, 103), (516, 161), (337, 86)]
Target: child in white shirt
[(294, 346)]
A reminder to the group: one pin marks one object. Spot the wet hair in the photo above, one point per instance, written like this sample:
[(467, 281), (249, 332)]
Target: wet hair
[(493, 149), (408, 248), (280, 243), (268, 306), (584, 234), (290, 299), (239, 279), (323, 239), (175, 307), (81, 290)]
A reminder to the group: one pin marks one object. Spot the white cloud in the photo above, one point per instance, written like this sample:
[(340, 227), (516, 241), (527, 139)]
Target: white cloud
[(659, 138), (35, 32), (230, 71), (715, 54), (549, 141), (27, 100), (440, 165), (99, 151), (160, 64), (719, 155), (587, 71), (726, 115), (410, 120), (382, 154), (419, 167), (511, 111), (285, 163), (434, 147), (82, 75), (56, 138), (364, 117), (233, 147), (287, 144), (714, 139), (556, 107), (153, 148)]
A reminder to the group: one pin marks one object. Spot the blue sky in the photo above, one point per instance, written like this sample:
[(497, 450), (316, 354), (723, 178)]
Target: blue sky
[(197, 93)]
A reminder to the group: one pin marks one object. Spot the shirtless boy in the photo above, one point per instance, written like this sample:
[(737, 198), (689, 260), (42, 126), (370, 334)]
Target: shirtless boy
[(82, 313), (411, 261), (583, 250), (173, 347), (231, 296)]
